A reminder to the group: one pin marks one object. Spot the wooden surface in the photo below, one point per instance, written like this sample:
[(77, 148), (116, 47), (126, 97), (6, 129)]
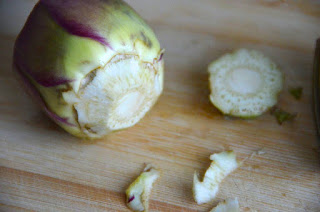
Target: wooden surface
[(44, 169)]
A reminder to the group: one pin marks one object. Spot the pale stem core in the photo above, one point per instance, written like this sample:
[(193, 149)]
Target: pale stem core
[(116, 96), (244, 80), (129, 105)]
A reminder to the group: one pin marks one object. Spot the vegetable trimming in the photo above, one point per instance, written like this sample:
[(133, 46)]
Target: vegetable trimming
[(244, 84)]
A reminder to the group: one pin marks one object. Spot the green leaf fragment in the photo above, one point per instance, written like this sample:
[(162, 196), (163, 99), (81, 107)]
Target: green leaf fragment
[(296, 92), (283, 116)]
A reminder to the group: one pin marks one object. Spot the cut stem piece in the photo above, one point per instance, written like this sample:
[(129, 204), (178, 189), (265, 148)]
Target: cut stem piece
[(222, 165), (229, 205), (244, 84), (138, 193)]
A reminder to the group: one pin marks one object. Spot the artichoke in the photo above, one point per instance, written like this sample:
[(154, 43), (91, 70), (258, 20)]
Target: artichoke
[(94, 66)]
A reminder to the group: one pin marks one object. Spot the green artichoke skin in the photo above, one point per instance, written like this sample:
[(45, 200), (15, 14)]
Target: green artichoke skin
[(64, 42)]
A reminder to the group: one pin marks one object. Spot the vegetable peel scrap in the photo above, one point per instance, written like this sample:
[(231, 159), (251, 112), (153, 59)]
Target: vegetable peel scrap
[(296, 92), (282, 116), (244, 84), (229, 205), (222, 165), (138, 193)]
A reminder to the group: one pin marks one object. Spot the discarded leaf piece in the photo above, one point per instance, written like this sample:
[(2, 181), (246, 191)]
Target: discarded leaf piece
[(229, 205), (139, 191), (296, 92), (244, 84), (222, 165), (283, 116)]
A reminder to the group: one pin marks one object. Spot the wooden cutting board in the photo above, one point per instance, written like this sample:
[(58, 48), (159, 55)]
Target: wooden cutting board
[(42, 168)]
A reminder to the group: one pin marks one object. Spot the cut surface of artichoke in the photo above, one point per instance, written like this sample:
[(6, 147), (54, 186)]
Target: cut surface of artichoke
[(244, 84), (222, 165), (229, 205), (115, 96), (138, 193)]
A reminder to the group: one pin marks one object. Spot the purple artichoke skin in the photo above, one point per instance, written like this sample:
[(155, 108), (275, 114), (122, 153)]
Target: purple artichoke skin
[(32, 91), (66, 14), (63, 48)]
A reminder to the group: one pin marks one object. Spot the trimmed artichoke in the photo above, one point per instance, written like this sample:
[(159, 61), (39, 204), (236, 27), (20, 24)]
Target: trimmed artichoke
[(93, 65)]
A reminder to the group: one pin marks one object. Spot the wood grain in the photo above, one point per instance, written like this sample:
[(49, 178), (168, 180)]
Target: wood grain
[(44, 169)]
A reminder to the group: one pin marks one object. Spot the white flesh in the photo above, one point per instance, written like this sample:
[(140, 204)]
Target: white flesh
[(222, 165), (116, 96), (229, 205), (138, 193), (244, 84)]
